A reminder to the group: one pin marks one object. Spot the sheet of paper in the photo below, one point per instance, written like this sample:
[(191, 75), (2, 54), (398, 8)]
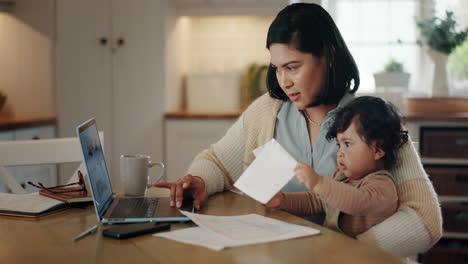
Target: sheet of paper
[(31, 203), (272, 169), (218, 232), (197, 236)]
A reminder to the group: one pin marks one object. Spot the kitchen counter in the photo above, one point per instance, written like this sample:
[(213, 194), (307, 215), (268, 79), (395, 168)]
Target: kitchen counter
[(182, 114), (16, 122)]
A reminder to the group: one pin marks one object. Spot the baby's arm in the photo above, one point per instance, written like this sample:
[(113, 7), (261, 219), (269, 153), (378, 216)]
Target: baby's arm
[(301, 203), (307, 175), (377, 195)]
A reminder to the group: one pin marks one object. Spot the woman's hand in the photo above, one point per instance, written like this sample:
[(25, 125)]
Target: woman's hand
[(307, 175), (276, 202), (187, 186)]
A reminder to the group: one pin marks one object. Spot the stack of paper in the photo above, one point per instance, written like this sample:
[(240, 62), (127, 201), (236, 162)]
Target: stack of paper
[(271, 170), (218, 232)]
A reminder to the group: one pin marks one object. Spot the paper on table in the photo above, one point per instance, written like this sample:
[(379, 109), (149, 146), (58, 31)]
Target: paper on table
[(271, 170), (197, 236), (218, 232)]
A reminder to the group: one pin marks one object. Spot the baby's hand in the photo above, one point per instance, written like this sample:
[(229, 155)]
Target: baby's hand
[(306, 175)]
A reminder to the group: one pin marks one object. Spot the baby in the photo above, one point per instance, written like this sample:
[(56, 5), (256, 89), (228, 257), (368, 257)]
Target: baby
[(361, 193)]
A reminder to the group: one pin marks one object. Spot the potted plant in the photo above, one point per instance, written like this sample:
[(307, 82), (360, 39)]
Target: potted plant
[(441, 36), (393, 76)]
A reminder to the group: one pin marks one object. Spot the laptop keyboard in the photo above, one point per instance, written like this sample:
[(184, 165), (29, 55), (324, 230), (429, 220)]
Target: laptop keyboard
[(135, 208)]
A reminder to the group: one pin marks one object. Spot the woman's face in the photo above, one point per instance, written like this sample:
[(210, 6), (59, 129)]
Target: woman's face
[(300, 75)]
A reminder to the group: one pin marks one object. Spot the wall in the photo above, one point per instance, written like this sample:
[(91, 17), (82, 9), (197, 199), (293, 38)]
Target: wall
[(213, 44), (26, 44)]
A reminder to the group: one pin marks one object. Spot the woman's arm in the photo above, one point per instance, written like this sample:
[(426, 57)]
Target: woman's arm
[(417, 225), (221, 164)]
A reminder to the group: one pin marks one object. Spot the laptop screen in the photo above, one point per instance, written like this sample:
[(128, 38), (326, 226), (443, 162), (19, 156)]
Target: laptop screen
[(95, 164)]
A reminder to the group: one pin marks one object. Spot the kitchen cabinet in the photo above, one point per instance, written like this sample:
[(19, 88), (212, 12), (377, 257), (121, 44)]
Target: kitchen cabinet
[(187, 135), (111, 66), (47, 174), (6, 5), (443, 146), (228, 7)]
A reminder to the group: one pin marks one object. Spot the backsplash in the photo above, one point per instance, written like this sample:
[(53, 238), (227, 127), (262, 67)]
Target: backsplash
[(211, 44), (223, 44)]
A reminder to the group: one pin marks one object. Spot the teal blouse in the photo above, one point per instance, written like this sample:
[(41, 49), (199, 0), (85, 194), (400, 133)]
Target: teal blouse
[(291, 132)]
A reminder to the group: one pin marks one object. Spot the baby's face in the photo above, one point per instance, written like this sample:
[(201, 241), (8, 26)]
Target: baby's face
[(355, 158)]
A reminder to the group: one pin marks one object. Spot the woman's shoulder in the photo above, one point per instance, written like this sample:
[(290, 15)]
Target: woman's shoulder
[(263, 107), (264, 103), (259, 120)]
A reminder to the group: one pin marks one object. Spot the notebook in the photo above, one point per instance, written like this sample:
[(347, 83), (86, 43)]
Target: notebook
[(30, 205), (109, 208)]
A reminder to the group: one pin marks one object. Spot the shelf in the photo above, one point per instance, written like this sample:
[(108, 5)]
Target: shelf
[(448, 199), (444, 161), (207, 116), (455, 235), (11, 123)]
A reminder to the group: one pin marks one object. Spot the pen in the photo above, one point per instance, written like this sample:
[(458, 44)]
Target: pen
[(88, 231)]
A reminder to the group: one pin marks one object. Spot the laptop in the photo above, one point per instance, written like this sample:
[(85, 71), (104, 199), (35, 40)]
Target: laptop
[(109, 208)]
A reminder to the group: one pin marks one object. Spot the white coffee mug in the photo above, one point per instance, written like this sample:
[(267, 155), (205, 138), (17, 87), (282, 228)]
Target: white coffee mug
[(134, 173)]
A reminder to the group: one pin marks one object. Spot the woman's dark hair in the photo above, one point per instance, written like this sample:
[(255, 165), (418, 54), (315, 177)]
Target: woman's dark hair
[(378, 121), (311, 29)]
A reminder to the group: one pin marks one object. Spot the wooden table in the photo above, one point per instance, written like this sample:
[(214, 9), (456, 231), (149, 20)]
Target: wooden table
[(49, 240)]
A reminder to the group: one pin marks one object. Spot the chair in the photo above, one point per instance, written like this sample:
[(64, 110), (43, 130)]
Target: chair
[(38, 152)]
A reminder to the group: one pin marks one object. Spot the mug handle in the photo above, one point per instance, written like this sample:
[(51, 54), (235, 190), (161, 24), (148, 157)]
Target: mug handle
[(163, 170)]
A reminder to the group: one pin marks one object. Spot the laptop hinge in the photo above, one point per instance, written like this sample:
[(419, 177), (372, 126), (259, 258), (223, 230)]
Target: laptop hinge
[(107, 205)]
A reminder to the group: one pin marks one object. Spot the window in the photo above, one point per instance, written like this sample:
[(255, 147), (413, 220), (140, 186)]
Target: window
[(377, 31)]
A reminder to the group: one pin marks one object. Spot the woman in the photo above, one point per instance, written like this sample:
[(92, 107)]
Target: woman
[(311, 74)]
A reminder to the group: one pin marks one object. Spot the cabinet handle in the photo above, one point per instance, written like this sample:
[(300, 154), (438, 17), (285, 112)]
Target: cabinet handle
[(36, 138), (103, 41), (120, 41), (461, 178)]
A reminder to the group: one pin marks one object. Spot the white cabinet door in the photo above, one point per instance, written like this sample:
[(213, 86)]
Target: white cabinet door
[(6, 135), (42, 132), (138, 78), (112, 67), (84, 68), (186, 138)]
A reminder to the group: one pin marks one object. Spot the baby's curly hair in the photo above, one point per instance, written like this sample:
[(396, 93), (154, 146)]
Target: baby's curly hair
[(378, 121)]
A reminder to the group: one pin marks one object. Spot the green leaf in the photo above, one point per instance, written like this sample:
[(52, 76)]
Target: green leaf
[(441, 34)]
